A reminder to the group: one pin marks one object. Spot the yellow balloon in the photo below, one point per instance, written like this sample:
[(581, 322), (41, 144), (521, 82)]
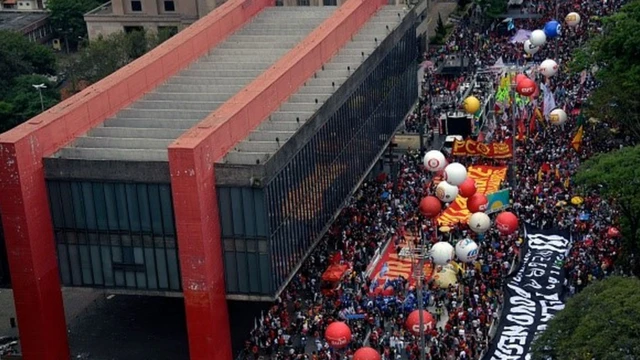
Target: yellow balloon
[(471, 105)]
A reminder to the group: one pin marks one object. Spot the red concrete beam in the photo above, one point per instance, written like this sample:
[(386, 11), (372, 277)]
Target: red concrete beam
[(191, 160), (24, 203)]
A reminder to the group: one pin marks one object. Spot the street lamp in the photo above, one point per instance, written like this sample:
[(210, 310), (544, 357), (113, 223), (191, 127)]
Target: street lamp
[(418, 254), (39, 87)]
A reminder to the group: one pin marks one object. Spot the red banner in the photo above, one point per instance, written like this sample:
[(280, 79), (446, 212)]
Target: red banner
[(475, 148), (488, 180)]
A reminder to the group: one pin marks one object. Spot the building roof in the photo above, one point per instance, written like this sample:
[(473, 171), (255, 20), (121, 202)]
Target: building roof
[(18, 20), (144, 130)]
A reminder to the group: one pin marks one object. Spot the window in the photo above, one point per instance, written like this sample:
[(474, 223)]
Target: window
[(303, 3), (130, 29), (136, 5), (169, 6), (330, 2)]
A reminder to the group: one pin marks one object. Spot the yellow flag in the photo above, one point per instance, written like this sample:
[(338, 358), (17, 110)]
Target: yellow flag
[(577, 139)]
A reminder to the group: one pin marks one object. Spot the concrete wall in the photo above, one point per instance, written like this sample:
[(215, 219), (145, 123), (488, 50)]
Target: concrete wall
[(26, 218)]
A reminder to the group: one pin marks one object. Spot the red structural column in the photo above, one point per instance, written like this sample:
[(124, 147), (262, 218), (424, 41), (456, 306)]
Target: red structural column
[(200, 250), (28, 232)]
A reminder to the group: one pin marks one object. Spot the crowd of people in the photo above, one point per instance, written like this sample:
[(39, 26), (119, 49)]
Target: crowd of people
[(385, 210)]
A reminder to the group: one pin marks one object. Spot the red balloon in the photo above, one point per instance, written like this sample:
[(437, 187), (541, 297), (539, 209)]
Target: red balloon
[(467, 188), (536, 93), (477, 203), (338, 335), (413, 321), (507, 223), (520, 77), (366, 353), (526, 87), (430, 206)]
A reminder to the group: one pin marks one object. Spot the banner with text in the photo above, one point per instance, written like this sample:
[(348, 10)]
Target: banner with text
[(534, 294), (488, 180), (476, 148)]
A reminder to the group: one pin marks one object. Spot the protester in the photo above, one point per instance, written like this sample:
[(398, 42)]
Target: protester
[(384, 210)]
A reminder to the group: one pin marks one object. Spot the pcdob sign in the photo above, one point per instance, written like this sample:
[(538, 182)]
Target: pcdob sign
[(533, 295)]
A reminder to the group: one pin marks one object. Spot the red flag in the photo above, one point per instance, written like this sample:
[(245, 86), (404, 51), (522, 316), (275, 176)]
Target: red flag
[(532, 124), (521, 127)]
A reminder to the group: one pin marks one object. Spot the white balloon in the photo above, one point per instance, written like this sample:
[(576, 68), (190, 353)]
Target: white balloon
[(538, 37), (466, 250), (548, 68), (572, 19), (434, 160), (455, 173), (446, 192), (557, 117), (442, 253), (479, 222), (529, 48)]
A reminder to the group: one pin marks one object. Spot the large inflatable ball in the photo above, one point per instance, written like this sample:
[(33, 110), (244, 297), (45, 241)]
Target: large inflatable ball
[(434, 160), (455, 173), (507, 223), (557, 117), (538, 38), (477, 203), (479, 223), (430, 206), (466, 250), (446, 192), (552, 29), (526, 87), (338, 335), (442, 253), (467, 188), (548, 68), (529, 48), (471, 105), (572, 19)]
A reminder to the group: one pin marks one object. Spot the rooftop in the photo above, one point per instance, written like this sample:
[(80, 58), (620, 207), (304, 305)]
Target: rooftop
[(144, 130), (18, 20), (284, 124)]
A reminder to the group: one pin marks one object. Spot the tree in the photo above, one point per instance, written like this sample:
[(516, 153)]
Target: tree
[(617, 175), (614, 56), (23, 103), (105, 55), (19, 56), (22, 65), (67, 19), (601, 322), (441, 30)]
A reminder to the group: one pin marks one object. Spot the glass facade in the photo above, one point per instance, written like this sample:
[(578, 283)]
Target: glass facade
[(115, 235), (308, 191), (245, 239)]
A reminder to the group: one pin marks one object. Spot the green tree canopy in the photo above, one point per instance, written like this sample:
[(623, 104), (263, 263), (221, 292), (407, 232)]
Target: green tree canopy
[(67, 18), (23, 102), (615, 53), (19, 56), (601, 322), (617, 174), (105, 55), (23, 64)]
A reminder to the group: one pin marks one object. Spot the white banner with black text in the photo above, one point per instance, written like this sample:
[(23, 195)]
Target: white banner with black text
[(534, 293)]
